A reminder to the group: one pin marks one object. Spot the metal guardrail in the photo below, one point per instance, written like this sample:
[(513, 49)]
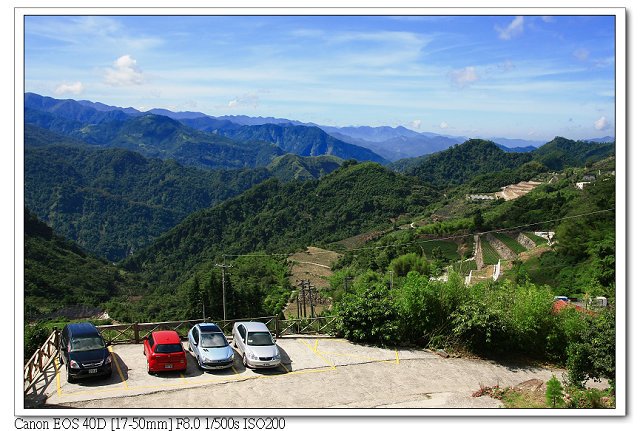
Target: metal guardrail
[(132, 333)]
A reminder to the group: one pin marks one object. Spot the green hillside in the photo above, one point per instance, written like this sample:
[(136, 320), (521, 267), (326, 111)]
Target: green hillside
[(304, 141), (114, 202), (293, 167), (158, 136), (58, 273), (463, 162), (277, 217)]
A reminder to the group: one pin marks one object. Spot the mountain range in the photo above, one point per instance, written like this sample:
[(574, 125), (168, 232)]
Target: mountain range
[(381, 144)]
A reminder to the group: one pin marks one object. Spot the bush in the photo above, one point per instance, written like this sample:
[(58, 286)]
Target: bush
[(369, 316), (592, 355), (34, 337)]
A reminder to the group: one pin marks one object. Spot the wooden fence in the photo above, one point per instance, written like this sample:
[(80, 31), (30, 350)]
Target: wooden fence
[(41, 359), (133, 333)]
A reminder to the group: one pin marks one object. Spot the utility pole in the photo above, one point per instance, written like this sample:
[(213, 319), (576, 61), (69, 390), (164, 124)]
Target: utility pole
[(346, 287), (310, 300), (224, 299), (390, 280)]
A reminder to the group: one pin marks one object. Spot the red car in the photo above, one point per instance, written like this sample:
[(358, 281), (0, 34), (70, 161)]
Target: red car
[(164, 352)]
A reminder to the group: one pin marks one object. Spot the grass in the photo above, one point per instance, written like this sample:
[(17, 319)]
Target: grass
[(464, 267), (535, 238), (514, 245), (489, 254), (449, 248)]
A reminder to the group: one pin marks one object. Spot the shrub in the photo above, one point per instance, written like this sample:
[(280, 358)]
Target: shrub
[(369, 316), (592, 355), (554, 392)]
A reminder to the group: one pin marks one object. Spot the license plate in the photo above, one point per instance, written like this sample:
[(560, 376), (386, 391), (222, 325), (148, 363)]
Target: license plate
[(168, 366), (93, 370)]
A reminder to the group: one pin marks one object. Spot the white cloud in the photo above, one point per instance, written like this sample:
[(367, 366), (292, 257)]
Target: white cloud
[(75, 88), (602, 124), (507, 65), (249, 99), (548, 19), (514, 29), (444, 125), (463, 77), (125, 72), (581, 54), (416, 124)]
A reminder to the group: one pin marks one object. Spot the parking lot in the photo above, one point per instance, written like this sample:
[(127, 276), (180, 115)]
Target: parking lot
[(315, 372)]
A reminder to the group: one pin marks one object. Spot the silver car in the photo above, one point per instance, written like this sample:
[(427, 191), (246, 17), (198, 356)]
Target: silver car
[(210, 347), (256, 345)]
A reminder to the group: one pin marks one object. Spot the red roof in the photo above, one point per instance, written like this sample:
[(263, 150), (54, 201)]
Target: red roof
[(561, 305), (166, 337)]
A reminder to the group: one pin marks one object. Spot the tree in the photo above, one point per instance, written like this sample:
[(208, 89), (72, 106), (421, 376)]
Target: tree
[(554, 392), (594, 354)]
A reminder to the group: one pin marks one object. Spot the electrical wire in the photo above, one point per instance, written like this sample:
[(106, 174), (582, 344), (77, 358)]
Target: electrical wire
[(421, 241)]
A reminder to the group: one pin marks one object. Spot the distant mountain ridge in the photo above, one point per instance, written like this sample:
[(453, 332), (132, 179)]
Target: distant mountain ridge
[(390, 143)]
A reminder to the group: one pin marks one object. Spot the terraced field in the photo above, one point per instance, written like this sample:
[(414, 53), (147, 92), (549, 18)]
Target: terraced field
[(510, 242), (489, 254), (464, 267), (449, 248), (535, 238)]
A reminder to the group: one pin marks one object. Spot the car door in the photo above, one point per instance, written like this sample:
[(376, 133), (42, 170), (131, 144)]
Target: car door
[(240, 341)]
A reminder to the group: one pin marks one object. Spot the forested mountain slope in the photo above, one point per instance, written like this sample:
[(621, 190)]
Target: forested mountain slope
[(58, 273), (303, 140), (277, 217)]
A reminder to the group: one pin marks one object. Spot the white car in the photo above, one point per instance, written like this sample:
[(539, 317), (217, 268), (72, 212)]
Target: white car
[(210, 347), (256, 345)]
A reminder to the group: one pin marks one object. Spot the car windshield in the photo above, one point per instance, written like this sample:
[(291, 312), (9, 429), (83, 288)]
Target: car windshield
[(216, 339), (259, 339), (87, 343), (168, 348)]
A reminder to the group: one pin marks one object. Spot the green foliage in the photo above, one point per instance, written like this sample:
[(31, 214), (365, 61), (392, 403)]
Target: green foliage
[(369, 316), (425, 308), (489, 254), (554, 392), (114, 202), (493, 181), (463, 162), (34, 337), (592, 355), (302, 140), (402, 265), (505, 317), (510, 242), (276, 217), (58, 273)]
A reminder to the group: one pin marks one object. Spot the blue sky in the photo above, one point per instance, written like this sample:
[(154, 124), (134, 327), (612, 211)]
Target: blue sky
[(527, 77)]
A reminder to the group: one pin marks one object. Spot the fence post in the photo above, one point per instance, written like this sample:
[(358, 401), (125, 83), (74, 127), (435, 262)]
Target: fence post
[(277, 327), (136, 333)]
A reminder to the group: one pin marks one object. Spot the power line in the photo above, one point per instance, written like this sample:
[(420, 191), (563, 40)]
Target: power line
[(430, 240)]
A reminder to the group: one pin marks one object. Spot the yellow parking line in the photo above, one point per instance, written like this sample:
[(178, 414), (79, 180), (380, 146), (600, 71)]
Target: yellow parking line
[(397, 357), (362, 357), (285, 368), (115, 361), (55, 362), (315, 348), (321, 357)]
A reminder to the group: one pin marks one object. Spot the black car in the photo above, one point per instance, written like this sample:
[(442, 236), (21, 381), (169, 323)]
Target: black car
[(84, 351)]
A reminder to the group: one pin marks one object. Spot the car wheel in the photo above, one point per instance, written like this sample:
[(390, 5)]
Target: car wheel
[(69, 378), (148, 369), (244, 360)]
